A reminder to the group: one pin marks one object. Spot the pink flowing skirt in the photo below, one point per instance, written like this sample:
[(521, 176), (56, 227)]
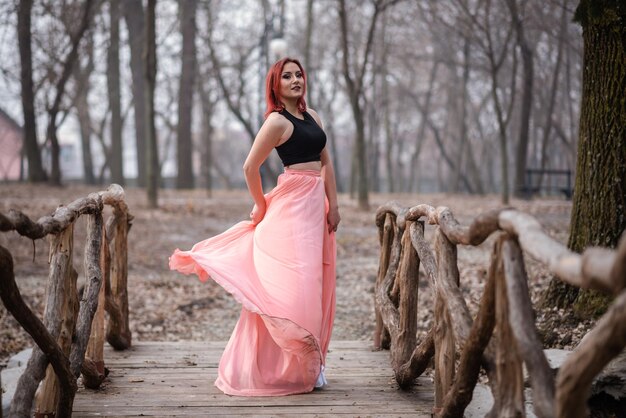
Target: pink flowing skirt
[(283, 273)]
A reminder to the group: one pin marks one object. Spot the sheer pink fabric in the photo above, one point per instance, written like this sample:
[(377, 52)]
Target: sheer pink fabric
[(283, 273)]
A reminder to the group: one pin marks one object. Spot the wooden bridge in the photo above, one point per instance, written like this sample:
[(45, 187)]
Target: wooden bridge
[(176, 379), (167, 379)]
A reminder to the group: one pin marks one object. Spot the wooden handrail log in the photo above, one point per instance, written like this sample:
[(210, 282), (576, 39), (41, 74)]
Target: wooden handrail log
[(447, 285), (427, 260), (114, 196), (63, 216), (506, 305), (418, 362), (521, 317), (89, 303), (603, 343), (12, 299), (393, 208), (386, 233), (416, 212), (389, 313), (597, 268), (460, 395), (594, 269)]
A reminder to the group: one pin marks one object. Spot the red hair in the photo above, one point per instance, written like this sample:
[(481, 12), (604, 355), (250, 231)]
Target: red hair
[(272, 87)]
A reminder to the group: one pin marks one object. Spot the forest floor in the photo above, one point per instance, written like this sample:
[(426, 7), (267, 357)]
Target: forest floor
[(167, 306)]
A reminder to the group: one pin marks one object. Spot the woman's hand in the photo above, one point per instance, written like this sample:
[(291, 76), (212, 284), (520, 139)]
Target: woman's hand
[(333, 219), (258, 213)]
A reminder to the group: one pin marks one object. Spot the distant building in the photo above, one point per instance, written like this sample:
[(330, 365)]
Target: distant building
[(11, 135)]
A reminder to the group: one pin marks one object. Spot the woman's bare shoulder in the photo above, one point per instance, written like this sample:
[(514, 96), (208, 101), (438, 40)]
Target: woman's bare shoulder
[(315, 116), (277, 126), (275, 120)]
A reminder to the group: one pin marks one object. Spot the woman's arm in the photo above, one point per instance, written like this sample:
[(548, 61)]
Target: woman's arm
[(330, 183), (268, 137)]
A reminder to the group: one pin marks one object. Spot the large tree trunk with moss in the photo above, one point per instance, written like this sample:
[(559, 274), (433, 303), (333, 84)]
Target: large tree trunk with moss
[(598, 213)]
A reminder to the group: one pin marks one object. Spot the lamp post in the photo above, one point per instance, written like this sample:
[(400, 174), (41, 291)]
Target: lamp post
[(278, 48)]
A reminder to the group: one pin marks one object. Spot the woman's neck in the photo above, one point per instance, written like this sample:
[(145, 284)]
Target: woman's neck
[(291, 107)]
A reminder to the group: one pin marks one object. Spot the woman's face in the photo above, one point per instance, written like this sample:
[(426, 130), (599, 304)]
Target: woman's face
[(291, 82)]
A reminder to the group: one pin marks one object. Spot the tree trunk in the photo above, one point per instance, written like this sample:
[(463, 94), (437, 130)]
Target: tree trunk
[(463, 139), (134, 17), (82, 77), (113, 88), (207, 137), (389, 163), (419, 139), (308, 35), (555, 80), (67, 66), (521, 156), (504, 154), (36, 172), (600, 188), (354, 84), (184, 149), (150, 65)]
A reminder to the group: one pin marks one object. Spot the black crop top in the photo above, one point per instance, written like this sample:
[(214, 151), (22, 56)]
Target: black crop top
[(305, 143)]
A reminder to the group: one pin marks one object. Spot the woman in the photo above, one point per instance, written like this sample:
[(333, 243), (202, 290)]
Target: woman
[(280, 265)]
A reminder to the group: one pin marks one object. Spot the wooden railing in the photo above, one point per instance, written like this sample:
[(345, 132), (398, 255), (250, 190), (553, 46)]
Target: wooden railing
[(502, 337), (71, 337)]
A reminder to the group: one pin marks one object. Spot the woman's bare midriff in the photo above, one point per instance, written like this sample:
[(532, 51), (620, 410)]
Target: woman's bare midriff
[(311, 165)]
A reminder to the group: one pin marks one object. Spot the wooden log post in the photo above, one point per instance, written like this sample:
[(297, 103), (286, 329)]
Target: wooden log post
[(46, 344), (388, 311), (62, 311), (61, 306), (522, 320), (460, 395), (407, 284), (89, 302), (509, 388), (402, 268), (118, 328), (93, 365), (386, 239), (445, 352)]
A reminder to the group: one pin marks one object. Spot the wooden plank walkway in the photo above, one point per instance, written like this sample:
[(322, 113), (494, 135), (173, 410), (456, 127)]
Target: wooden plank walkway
[(176, 379)]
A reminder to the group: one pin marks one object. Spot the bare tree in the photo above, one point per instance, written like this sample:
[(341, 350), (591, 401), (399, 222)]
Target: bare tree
[(150, 66), (354, 74), (233, 93), (36, 172), (113, 88), (82, 76), (208, 102), (53, 110), (526, 51), (547, 130), (184, 150), (135, 21)]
